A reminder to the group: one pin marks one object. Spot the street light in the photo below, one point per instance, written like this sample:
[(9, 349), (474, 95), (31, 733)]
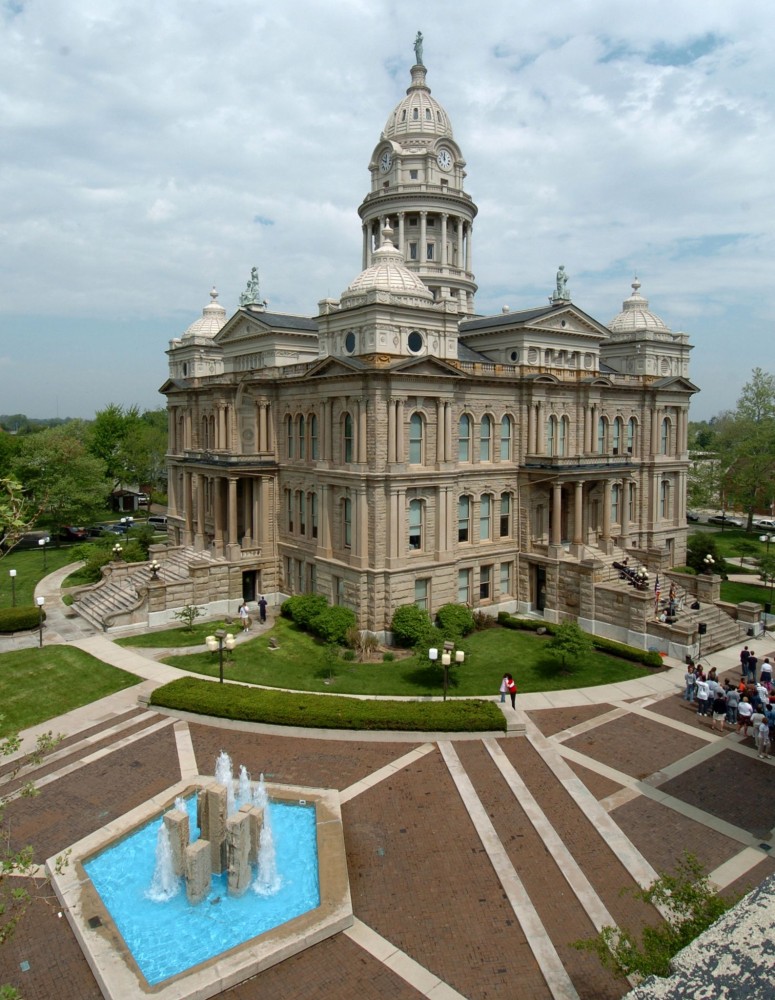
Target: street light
[(642, 579), (42, 542), (12, 574), (154, 568), (708, 562), (217, 641), (767, 539), (127, 521), (40, 601), (117, 550), (446, 660)]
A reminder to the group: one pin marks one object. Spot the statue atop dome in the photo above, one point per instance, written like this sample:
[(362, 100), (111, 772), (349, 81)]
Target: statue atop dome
[(418, 49)]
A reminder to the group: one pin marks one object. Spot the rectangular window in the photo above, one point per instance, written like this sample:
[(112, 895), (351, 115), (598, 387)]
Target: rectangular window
[(505, 579), (300, 576), (413, 175), (415, 524), (429, 251), (485, 503), (412, 220), (313, 500), (485, 583), (302, 515), (412, 251), (422, 590), (289, 573), (431, 222), (289, 499), (464, 586), (311, 578), (505, 515), (347, 511), (463, 518), (337, 590)]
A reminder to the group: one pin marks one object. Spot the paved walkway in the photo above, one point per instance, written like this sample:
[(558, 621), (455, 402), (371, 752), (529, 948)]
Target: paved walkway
[(474, 864)]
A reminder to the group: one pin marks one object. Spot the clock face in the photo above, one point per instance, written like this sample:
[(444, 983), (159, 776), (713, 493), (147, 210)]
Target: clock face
[(385, 162), (444, 159)]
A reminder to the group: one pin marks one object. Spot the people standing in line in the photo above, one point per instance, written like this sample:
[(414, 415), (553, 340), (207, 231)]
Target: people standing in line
[(690, 680), (733, 700), (764, 740), (744, 654), (262, 609), (744, 713), (765, 674), (751, 666), (244, 616), (511, 687), (504, 688)]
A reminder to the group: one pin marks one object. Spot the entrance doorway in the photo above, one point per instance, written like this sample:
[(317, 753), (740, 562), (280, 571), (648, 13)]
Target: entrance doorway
[(539, 588), (249, 584)]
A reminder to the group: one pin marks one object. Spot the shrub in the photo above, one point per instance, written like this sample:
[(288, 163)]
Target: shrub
[(21, 619), (349, 655), (410, 625), (649, 658), (482, 621), (700, 544), (455, 620), (303, 608), (188, 614), (331, 624), (388, 657), (571, 644), (362, 642)]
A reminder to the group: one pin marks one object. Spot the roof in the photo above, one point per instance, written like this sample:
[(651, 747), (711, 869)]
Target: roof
[(282, 321), (504, 319), (636, 316), (418, 112)]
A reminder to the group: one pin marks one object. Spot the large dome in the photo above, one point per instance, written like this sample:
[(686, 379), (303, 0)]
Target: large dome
[(212, 319), (418, 113), (387, 273), (636, 316)]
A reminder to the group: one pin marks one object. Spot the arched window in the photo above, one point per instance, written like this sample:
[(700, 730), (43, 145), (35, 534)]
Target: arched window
[(505, 528), (631, 498), (485, 439), (602, 427), (205, 434), (347, 522), (416, 439), (616, 441), (213, 442), (664, 442), (289, 436), (415, 524), (664, 499), (631, 435), (485, 517), (563, 429), (464, 439), (347, 438), (313, 438), (616, 503), (301, 430), (506, 439), (464, 519), (551, 435)]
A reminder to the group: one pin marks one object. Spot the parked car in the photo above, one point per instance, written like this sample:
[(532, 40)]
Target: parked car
[(764, 522), (70, 533), (725, 519), (158, 522), (114, 529), (143, 499), (692, 516)]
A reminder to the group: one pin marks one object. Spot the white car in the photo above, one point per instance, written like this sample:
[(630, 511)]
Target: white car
[(764, 522)]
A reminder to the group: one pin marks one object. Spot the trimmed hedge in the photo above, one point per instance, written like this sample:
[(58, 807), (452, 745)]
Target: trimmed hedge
[(455, 620), (410, 625), (21, 619), (303, 608), (648, 657), (333, 624), (280, 708)]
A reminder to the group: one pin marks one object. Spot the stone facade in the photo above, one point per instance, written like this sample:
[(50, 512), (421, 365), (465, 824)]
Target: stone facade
[(399, 448)]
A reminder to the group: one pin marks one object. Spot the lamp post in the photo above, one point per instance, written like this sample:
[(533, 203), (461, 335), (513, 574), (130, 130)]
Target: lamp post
[(40, 601), (127, 522), (218, 640), (642, 579), (12, 574), (43, 542), (767, 539), (117, 550), (708, 563), (154, 568), (446, 660)]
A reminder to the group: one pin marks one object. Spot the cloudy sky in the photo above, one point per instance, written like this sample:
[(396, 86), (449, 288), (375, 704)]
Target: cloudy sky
[(153, 149)]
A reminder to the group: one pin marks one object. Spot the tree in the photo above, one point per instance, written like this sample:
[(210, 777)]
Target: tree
[(60, 477), (699, 545), (17, 513), (133, 447), (188, 614), (691, 907), (571, 644)]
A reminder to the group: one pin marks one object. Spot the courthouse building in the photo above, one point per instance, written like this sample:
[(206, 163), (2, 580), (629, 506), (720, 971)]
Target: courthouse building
[(399, 447)]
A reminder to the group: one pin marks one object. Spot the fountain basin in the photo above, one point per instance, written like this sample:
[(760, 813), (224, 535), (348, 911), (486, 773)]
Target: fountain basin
[(112, 961)]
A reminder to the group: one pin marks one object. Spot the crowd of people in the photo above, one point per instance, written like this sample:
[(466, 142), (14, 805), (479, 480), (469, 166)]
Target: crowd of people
[(749, 704)]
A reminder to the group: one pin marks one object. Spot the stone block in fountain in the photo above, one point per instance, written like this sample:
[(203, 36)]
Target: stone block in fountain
[(256, 815), (177, 827), (198, 871), (239, 874), (211, 817)]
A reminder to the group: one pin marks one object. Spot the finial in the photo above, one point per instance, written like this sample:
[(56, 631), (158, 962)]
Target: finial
[(387, 236), (214, 293), (635, 285)]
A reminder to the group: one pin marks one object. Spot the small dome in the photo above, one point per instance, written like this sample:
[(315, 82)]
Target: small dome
[(388, 273), (635, 315), (418, 113), (213, 318)]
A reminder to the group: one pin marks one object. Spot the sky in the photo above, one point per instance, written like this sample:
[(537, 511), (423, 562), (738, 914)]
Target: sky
[(152, 150)]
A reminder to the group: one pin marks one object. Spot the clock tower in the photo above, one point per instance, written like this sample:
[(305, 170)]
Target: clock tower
[(417, 173)]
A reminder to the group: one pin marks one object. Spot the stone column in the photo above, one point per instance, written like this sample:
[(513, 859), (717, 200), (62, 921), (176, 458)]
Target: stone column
[(531, 429), (361, 526), (606, 532), (218, 515), (578, 513), (325, 519), (176, 822), (556, 538), (238, 853), (469, 248), (211, 816), (401, 243), (540, 429), (201, 489), (401, 517), (400, 431), (362, 431), (365, 259), (172, 431), (439, 431), (447, 432), (460, 258), (423, 252), (270, 428), (391, 434), (262, 439), (198, 871), (233, 523), (188, 530), (444, 217), (258, 528)]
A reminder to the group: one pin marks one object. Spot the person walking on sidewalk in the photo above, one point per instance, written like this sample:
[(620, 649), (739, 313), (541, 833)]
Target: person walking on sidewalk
[(504, 688), (511, 687), (244, 616), (262, 610)]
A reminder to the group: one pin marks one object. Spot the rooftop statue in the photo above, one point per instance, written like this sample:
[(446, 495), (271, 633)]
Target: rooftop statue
[(418, 49), (561, 293), (252, 294)]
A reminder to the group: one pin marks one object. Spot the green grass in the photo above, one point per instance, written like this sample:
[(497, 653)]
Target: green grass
[(303, 664), (178, 636), (279, 708), (737, 592), (729, 542), (28, 564), (37, 684)]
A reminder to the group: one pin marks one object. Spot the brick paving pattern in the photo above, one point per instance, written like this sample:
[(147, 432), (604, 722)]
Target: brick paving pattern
[(419, 873), (635, 745)]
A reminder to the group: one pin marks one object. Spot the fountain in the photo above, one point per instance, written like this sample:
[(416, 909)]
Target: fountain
[(199, 891)]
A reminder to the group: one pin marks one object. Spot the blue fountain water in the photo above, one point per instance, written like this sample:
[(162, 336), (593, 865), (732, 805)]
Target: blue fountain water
[(167, 938)]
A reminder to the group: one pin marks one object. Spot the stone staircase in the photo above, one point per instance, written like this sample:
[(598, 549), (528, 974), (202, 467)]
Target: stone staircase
[(121, 595)]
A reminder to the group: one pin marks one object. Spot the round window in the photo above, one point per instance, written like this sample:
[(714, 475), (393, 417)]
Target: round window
[(349, 342), (514, 356), (415, 341)]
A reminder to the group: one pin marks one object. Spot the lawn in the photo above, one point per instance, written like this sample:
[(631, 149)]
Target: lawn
[(28, 564), (37, 684), (302, 664), (737, 592), (178, 636)]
